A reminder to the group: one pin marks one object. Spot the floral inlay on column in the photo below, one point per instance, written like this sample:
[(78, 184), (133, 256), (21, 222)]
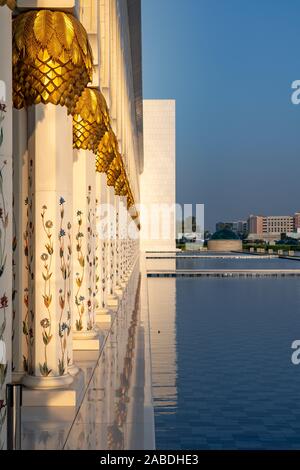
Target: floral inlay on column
[(112, 250), (64, 297), (14, 290), (46, 322), (3, 218), (97, 265), (103, 281), (90, 258), (117, 247), (28, 321), (79, 299), (65, 292), (3, 366)]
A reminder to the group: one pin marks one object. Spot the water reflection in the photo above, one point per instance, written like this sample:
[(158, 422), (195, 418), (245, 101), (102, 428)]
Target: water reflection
[(106, 418), (162, 306), (223, 377)]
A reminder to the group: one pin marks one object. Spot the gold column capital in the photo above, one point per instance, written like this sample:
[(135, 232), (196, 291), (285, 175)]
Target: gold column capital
[(52, 59), (114, 170), (90, 120), (107, 151)]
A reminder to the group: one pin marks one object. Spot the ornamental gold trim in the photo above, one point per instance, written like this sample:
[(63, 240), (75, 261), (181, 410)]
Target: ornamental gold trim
[(120, 183), (114, 170), (90, 120), (107, 151), (52, 59)]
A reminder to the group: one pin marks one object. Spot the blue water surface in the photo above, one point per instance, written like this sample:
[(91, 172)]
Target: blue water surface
[(228, 381)]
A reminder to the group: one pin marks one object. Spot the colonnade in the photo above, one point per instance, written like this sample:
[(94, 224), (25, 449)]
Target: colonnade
[(70, 204)]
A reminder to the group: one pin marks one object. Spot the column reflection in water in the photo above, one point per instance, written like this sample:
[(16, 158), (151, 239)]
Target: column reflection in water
[(162, 308), (105, 419), (107, 415)]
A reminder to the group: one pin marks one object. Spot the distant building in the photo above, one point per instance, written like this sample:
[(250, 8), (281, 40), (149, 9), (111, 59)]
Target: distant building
[(297, 221), (270, 228), (239, 227)]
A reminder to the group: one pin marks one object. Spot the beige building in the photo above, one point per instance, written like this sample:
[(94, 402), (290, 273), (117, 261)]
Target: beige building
[(270, 228), (158, 181)]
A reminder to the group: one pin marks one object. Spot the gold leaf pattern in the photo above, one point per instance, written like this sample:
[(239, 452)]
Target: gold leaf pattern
[(64, 29), (50, 63), (107, 151), (114, 170), (43, 27), (90, 120)]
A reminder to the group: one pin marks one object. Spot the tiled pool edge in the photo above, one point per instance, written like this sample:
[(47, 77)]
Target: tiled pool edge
[(226, 273)]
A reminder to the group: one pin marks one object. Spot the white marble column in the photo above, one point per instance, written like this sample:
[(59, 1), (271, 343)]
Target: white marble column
[(123, 237), (112, 299), (6, 212), (118, 264), (22, 252), (50, 286), (84, 183), (103, 245)]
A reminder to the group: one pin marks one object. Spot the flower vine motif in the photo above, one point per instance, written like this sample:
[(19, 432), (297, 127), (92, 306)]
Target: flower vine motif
[(65, 252), (96, 263), (3, 367), (14, 283), (2, 116), (28, 321), (103, 273), (4, 219), (46, 322), (117, 244), (79, 299), (89, 260)]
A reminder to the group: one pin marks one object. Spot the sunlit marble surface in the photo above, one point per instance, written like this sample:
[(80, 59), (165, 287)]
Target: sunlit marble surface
[(111, 413)]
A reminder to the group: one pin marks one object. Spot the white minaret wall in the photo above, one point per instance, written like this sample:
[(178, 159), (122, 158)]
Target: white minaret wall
[(158, 180)]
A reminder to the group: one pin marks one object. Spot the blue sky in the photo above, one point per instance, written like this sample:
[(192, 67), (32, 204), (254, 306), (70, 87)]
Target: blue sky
[(229, 64)]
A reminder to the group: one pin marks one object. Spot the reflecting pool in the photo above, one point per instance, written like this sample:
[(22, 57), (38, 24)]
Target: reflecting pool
[(221, 362)]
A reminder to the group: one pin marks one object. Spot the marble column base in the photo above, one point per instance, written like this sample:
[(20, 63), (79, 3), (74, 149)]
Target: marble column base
[(103, 315), (86, 340), (67, 396), (46, 383), (112, 301), (84, 335)]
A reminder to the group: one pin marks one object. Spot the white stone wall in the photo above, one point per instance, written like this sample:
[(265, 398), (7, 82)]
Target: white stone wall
[(158, 180)]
